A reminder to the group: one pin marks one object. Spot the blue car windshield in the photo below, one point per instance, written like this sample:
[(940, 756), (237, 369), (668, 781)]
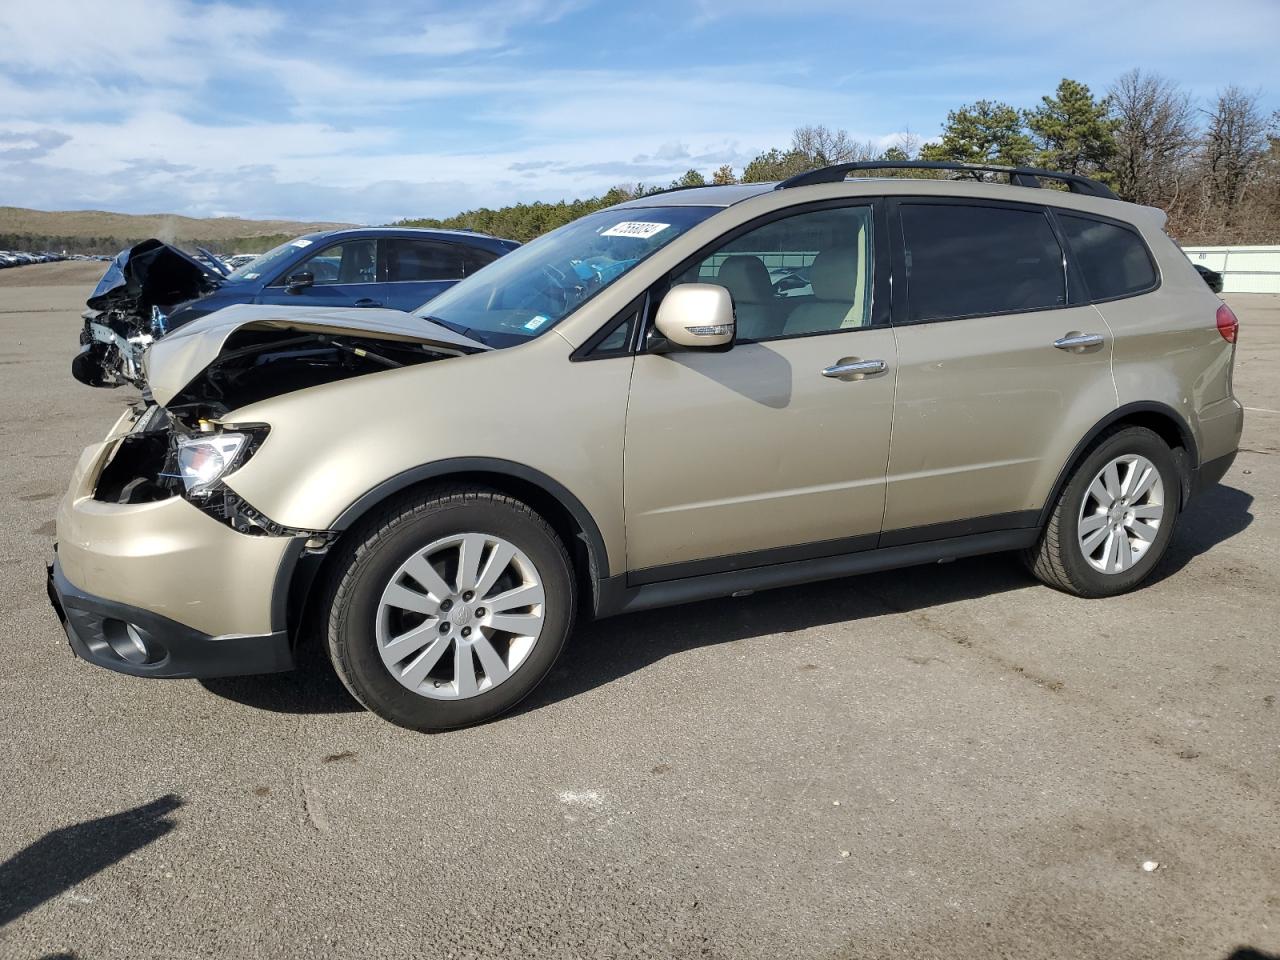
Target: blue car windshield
[(531, 289), (266, 263)]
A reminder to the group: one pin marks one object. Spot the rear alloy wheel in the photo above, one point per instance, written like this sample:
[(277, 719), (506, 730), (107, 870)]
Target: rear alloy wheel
[(449, 608), (1113, 519), (1121, 513)]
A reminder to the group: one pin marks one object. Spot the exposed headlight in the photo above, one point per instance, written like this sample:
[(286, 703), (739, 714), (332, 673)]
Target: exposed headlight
[(202, 461)]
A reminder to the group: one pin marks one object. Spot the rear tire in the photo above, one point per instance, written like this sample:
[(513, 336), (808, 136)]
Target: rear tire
[(1114, 518), (449, 607)]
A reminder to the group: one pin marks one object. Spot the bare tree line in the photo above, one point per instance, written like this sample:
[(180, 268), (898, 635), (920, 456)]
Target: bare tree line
[(1213, 167)]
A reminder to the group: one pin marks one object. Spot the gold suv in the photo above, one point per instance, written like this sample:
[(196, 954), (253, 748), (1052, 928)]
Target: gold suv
[(699, 393)]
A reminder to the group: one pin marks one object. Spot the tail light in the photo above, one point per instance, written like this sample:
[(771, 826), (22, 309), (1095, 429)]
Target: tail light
[(1228, 325)]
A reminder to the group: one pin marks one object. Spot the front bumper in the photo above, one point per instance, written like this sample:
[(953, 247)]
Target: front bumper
[(161, 588), (131, 640)]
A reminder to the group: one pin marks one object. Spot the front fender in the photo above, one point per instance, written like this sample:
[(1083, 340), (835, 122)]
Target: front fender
[(334, 447)]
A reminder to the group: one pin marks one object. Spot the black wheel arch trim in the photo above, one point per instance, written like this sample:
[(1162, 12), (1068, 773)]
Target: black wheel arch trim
[(1110, 420), (458, 465), (298, 569)]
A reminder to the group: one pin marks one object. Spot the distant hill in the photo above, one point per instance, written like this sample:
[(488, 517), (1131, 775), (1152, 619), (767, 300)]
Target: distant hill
[(98, 231)]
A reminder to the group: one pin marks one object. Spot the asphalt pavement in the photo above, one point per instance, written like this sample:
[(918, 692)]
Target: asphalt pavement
[(950, 761)]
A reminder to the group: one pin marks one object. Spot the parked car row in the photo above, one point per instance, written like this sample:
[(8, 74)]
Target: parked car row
[(21, 258), (686, 396)]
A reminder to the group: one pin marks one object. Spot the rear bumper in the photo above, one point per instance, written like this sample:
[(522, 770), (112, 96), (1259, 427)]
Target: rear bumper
[(131, 640), (1211, 472)]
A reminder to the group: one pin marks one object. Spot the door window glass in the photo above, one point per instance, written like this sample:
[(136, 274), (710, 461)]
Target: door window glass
[(808, 273), (964, 261), (422, 260), (351, 261), (473, 258), (1113, 260)]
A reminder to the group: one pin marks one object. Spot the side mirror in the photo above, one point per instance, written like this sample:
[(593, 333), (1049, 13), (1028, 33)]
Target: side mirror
[(697, 315), (299, 281)]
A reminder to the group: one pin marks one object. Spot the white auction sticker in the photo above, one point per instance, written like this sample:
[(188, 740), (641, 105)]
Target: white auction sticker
[(301, 243), (635, 228)]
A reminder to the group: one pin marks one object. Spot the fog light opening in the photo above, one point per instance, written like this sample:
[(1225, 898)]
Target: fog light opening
[(131, 644)]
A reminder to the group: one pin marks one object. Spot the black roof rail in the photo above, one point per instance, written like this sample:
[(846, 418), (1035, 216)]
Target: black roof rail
[(1018, 176), (687, 186)]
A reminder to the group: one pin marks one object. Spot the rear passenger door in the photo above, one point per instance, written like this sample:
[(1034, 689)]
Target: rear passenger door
[(414, 271), (1002, 367)]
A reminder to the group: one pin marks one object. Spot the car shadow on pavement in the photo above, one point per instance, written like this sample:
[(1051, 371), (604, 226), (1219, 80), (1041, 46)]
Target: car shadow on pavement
[(1216, 515), (65, 857), (311, 688), (606, 650)]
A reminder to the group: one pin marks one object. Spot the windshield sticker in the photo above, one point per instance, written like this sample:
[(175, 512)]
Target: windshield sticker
[(252, 276), (635, 228), (536, 322), (301, 243)]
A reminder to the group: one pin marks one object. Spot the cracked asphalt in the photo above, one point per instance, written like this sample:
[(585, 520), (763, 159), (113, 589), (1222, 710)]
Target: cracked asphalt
[(950, 761)]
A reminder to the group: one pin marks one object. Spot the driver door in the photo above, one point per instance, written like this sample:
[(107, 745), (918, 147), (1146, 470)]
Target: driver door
[(764, 453), (343, 275)]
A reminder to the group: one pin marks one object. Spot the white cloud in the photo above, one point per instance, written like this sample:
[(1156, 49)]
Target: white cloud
[(413, 108)]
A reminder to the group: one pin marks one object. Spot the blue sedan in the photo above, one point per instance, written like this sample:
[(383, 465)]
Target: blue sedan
[(153, 288), (369, 267)]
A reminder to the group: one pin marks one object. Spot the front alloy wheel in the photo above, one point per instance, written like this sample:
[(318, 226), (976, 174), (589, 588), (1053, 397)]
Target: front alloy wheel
[(448, 607), (460, 616)]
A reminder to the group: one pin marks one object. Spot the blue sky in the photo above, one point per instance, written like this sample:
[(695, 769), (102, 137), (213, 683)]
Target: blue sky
[(371, 112)]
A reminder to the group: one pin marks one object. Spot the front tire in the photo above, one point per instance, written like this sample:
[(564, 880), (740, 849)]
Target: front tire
[(1114, 518), (449, 607)]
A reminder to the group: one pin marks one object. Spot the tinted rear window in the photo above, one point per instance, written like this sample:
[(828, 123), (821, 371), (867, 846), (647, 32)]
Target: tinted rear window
[(966, 261), (419, 260), (1113, 260)]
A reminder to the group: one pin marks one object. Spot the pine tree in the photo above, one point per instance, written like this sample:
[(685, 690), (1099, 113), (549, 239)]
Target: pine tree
[(984, 132), (1074, 131)]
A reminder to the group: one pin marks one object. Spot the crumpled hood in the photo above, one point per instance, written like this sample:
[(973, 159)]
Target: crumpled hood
[(153, 273), (176, 360)]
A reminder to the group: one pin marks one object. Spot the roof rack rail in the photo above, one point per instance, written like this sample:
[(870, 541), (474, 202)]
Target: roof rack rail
[(1018, 176)]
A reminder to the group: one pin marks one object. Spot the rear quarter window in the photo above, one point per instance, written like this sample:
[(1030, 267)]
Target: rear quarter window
[(1112, 259)]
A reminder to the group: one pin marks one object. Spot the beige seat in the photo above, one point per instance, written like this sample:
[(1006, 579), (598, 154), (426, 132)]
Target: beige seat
[(838, 298), (747, 280)]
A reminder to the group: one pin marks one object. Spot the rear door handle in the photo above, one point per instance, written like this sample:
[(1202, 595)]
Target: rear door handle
[(1078, 341), (847, 369), (366, 302)]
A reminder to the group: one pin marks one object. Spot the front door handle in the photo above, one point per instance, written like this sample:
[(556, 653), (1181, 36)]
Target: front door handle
[(1078, 341), (366, 302), (851, 368)]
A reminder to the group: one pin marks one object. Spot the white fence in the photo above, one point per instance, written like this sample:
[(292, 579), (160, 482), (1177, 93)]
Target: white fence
[(1243, 269)]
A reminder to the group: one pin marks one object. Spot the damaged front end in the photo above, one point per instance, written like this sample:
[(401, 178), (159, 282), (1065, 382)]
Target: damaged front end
[(128, 307), (185, 439), (164, 457)]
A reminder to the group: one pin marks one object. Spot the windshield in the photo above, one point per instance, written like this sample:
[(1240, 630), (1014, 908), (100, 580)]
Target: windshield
[(266, 263), (533, 288)]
